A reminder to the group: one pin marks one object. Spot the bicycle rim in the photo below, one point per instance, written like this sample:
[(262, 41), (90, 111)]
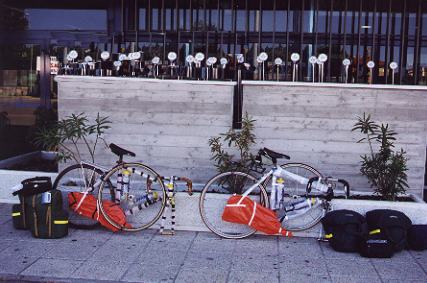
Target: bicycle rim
[(214, 197), (304, 219), (146, 198), (78, 178)]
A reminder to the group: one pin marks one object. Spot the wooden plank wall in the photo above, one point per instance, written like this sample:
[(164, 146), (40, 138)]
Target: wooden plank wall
[(166, 123), (312, 123)]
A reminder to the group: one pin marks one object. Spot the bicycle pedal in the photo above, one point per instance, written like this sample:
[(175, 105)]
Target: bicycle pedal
[(168, 233)]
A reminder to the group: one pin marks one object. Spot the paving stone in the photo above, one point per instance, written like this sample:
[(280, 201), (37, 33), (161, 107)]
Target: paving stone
[(151, 273), (201, 275), (78, 250), (5, 209), (127, 251), (357, 269), (257, 245), (330, 253), (403, 256), (306, 278), (255, 263), (253, 277), (94, 235), (211, 260), (303, 251), (45, 267), (162, 257), (27, 248), (399, 270), (8, 232), (106, 270), (5, 244), (4, 219), (15, 264), (354, 279), (305, 267)]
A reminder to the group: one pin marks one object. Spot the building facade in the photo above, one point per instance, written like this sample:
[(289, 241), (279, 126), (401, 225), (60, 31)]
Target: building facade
[(382, 31)]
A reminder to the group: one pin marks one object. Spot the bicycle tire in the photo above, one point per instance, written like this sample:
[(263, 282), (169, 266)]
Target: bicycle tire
[(156, 208), (310, 217), (214, 196), (68, 181)]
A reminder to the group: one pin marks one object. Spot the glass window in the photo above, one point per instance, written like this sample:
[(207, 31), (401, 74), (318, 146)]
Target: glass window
[(66, 19), (155, 19), (142, 18), (241, 20)]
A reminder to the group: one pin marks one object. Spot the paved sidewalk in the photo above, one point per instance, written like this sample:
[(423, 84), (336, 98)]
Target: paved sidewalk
[(98, 255)]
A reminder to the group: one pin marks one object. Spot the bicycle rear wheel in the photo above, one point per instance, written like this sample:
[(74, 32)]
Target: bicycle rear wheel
[(79, 178), (300, 219), (144, 199), (214, 197)]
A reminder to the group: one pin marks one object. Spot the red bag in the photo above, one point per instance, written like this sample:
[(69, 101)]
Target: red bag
[(86, 205), (253, 214)]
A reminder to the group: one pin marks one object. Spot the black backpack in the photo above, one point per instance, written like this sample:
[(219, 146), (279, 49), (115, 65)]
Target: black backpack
[(344, 230), (391, 225), (417, 237)]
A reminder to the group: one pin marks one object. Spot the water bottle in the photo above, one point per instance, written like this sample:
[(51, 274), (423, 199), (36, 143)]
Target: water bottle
[(125, 182), (300, 203), (142, 202), (119, 190), (277, 193)]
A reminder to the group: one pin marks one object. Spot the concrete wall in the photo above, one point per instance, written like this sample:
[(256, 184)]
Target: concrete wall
[(166, 123), (312, 123)]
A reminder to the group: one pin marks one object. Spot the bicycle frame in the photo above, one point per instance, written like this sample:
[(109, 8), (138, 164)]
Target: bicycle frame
[(278, 171)]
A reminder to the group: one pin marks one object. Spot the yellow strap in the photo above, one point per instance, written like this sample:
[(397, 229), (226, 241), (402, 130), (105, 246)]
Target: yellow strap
[(60, 222), (328, 236), (376, 231), (16, 214)]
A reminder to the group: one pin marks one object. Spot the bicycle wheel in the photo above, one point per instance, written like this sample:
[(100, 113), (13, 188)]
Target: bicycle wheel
[(142, 200), (79, 178), (214, 197), (295, 192)]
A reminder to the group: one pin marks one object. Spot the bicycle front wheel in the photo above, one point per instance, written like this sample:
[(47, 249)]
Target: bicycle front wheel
[(295, 191), (80, 178), (142, 196), (214, 197)]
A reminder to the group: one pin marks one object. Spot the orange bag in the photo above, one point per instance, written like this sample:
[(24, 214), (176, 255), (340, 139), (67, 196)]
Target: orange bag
[(88, 207), (253, 214)]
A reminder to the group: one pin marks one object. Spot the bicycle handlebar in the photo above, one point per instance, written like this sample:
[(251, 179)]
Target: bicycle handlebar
[(329, 181)]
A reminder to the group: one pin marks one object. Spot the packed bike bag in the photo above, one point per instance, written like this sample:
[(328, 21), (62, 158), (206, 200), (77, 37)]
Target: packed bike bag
[(390, 225), (344, 230), (34, 186), (47, 219), (417, 237), (18, 217), (376, 248)]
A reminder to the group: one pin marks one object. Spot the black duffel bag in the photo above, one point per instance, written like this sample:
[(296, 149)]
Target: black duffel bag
[(417, 237), (391, 225), (20, 214), (344, 230)]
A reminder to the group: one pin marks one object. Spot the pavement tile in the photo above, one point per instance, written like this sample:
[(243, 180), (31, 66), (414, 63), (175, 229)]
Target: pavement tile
[(101, 270), (4, 219), (212, 260), (306, 278), (5, 244), (45, 267), (357, 269), (94, 235), (127, 251), (421, 258), (253, 277), (8, 232), (255, 263), (5, 209), (314, 267), (151, 273), (27, 248), (389, 269), (201, 275), (261, 246), (78, 250), (162, 257), (354, 279), (305, 251), (14, 264)]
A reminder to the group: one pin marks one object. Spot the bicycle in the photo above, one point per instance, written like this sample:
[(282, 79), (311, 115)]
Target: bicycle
[(299, 194), (138, 189)]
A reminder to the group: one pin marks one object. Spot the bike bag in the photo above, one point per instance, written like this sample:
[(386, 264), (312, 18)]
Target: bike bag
[(344, 230), (417, 237), (86, 205), (390, 225), (34, 186), (47, 219), (376, 248), (18, 217)]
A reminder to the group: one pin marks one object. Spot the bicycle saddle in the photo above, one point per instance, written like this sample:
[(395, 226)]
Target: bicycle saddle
[(275, 155), (117, 150)]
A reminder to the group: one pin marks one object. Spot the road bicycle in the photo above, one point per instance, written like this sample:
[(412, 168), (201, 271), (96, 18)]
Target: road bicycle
[(298, 193), (138, 189)]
